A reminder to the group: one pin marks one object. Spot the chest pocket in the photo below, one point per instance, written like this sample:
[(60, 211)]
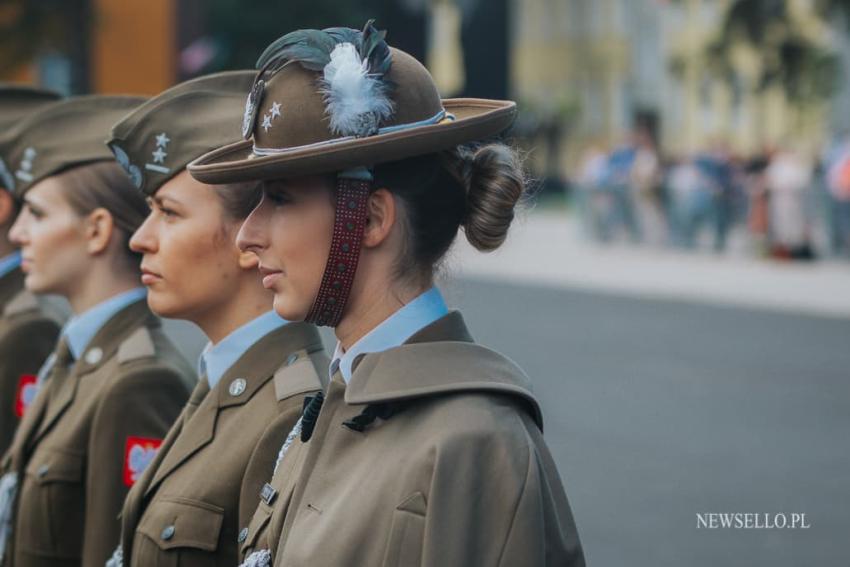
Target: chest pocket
[(52, 505), (178, 531)]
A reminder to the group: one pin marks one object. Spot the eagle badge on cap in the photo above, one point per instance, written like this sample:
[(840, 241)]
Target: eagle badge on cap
[(27, 389), (6, 176), (252, 104), (138, 454), (124, 161)]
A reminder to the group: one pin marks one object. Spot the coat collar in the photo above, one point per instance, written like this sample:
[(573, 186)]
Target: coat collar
[(105, 343), (256, 367), (439, 359)]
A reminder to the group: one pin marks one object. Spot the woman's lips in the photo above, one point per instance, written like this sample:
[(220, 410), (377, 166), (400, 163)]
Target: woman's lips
[(26, 265), (149, 277), (269, 276)]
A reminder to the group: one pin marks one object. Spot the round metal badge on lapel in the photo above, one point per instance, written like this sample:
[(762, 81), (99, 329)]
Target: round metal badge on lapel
[(94, 355), (237, 387)]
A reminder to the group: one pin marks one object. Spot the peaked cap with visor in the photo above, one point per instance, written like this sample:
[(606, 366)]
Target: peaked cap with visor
[(342, 101)]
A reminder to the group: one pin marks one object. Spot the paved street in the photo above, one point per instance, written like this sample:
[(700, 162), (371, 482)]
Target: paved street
[(658, 410)]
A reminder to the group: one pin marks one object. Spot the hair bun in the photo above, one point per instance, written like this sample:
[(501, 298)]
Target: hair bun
[(494, 184)]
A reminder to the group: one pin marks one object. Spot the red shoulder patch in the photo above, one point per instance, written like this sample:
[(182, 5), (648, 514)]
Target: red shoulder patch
[(27, 389), (138, 454)]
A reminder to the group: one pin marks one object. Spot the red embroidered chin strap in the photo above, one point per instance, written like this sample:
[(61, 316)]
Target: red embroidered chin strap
[(352, 193)]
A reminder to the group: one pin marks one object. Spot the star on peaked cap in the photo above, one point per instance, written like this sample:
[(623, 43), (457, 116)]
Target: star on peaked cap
[(63, 134), (182, 123)]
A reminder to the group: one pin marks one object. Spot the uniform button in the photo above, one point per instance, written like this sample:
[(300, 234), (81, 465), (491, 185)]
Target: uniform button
[(243, 535), (167, 533), (291, 359), (42, 471), (94, 355), (237, 387)]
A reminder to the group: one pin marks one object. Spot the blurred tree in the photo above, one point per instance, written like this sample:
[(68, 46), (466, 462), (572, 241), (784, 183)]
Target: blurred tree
[(804, 68)]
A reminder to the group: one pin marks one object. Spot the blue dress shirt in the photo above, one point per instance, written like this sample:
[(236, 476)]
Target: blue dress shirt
[(393, 331), (9, 263), (216, 359), (81, 329)]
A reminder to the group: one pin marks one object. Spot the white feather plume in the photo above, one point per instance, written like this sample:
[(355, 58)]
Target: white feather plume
[(356, 102)]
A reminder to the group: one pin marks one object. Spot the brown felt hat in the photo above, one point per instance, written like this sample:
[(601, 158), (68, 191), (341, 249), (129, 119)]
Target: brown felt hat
[(62, 135), (289, 131), (156, 141), (16, 103)]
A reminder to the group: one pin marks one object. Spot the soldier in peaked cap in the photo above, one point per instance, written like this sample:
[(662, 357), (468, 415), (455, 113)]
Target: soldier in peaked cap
[(28, 329), (205, 482), (426, 448), (116, 383)]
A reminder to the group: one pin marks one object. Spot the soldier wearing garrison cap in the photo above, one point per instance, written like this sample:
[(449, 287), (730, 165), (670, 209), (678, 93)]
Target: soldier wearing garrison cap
[(115, 383), (201, 489), (426, 448), (28, 326)]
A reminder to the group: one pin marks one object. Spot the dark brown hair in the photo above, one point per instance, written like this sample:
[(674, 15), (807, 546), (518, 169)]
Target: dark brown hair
[(103, 184), (476, 188)]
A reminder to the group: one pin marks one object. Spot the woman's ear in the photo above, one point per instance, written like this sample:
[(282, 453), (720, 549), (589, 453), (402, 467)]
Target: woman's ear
[(99, 227), (381, 216)]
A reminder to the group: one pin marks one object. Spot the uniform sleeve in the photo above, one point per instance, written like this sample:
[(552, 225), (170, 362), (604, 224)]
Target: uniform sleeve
[(130, 423), (495, 501), (23, 349)]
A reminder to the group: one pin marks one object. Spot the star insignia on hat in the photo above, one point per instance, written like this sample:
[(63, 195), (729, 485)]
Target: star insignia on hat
[(25, 171), (267, 122), (159, 154), (275, 110)]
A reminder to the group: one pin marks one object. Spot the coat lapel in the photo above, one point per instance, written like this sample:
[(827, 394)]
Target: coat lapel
[(107, 340), (256, 367)]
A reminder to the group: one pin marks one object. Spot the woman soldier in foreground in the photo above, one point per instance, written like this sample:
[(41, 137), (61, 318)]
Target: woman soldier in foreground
[(116, 383), (426, 448), (256, 368)]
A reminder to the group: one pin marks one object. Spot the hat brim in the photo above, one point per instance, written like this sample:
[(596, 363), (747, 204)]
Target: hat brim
[(475, 119)]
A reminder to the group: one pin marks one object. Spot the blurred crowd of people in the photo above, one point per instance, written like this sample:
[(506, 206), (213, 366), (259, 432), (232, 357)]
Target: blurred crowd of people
[(785, 203)]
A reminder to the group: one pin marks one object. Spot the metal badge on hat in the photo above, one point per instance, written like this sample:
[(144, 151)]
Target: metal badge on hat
[(6, 176), (124, 161), (252, 104)]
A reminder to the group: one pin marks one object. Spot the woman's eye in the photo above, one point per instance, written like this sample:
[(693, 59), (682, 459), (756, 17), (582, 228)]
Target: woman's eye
[(277, 197), (35, 212)]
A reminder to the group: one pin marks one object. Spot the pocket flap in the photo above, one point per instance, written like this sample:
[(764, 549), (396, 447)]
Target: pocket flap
[(181, 522), (256, 526), (55, 466)]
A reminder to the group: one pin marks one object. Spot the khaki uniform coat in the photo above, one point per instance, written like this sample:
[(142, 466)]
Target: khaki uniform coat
[(70, 450), (460, 476), (27, 337), (204, 485)]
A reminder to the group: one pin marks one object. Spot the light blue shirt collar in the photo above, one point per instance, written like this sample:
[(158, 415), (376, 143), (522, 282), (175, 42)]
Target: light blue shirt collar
[(216, 359), (81, 329), (393, 331), (9, 263)]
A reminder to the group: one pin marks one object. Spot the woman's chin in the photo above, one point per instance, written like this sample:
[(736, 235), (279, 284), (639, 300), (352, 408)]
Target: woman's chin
[(288, 310)]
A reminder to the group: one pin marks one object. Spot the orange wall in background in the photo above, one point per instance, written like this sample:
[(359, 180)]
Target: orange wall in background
[(133, 46)]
